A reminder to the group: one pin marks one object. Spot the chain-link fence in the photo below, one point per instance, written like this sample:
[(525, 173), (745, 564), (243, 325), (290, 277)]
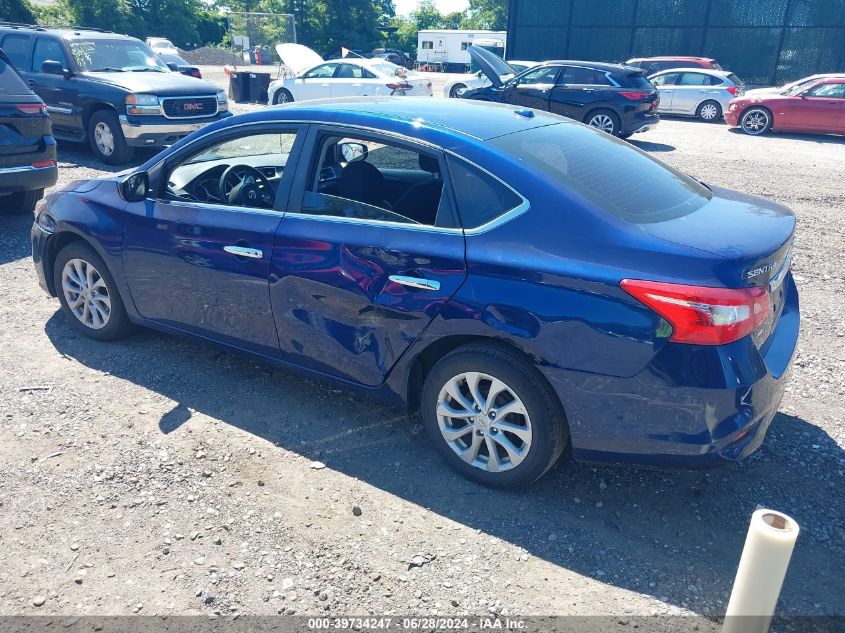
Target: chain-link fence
[(769, 42), (253, 36)]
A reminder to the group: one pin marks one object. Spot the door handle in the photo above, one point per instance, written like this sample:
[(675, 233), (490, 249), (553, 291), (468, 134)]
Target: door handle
[(243, 251), (415, 282)]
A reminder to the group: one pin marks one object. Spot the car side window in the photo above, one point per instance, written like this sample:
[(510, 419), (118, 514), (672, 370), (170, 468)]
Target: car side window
[(479, 196), (545, 75), (47, 49), (375, 179), (835, 91), (669, 79), (16, 47), (351, 71), (323, 71), (694, 79), (576, 75), (240, 172)]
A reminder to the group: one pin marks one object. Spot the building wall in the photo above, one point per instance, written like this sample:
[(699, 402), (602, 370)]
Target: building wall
[(764, 42)]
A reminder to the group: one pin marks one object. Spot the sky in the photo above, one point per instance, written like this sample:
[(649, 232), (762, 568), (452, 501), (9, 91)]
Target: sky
[(404, 7)]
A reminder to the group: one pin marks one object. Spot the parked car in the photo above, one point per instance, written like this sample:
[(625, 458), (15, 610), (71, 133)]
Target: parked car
[(818, 108), (618, 100), (27, 146), (110, 90), (804, 81), (394, 56), (478, 79), (653, 65), (162, 46), (179, 65), (568, 288), (696, 92), (348, 77)]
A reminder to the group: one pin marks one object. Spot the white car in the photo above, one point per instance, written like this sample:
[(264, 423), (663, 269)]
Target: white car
[(479, 80), (348, 77), (804, 82), (161, 46)]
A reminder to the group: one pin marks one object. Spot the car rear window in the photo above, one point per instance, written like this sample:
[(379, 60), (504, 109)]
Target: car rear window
[(10, 82), (608, 172), (634, 80), (736, 80)]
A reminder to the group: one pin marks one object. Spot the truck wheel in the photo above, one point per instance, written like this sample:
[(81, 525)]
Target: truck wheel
[(107, 140), (24, 201)]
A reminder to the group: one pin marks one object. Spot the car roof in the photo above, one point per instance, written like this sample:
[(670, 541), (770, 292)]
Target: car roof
[(69, 32), (694, 69), (430, 119), (671, 58), (594, 65)]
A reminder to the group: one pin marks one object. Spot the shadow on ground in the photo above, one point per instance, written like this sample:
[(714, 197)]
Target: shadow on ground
[(676, 536)]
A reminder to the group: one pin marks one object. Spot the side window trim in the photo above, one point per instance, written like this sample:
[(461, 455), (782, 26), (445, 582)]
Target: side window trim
[(160, 170), (312, 153)]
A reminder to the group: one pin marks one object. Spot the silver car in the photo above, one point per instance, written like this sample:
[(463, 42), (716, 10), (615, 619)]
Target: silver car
[(696, 92)]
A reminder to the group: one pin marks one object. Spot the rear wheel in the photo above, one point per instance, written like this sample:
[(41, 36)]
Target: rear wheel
[(88, 294), (107, 140), (23, 201), (756, 121), (453, 93), (492, 417), (709, 111), (604, 120), (282, 95)]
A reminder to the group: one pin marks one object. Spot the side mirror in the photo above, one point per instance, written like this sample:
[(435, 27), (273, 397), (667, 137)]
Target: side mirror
[(134, 187), (353, 151), (51, 67)]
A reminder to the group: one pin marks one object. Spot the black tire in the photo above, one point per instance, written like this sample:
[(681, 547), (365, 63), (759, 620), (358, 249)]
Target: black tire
[(709, 111), (549, 430), (595, 116), (756, 121), (117, 325), (282, 95), (121, 153), (453, 93), (23, 201)]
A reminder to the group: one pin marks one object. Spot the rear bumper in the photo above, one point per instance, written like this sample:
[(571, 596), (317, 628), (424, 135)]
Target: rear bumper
[(27, 178), (691, 407), (640, 123), (160, 131)]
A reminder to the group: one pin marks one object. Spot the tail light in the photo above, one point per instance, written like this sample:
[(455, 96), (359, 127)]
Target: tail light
[(635, 95), (701, 315), (196, 73), (733, 90), (32, 108), (399, 86)]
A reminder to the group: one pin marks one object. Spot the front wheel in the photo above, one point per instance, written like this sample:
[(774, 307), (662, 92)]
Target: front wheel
[(453, 93), (88, 294), (709, 111), (604, 120), (283, 95), (756, 121), (492, 417), (107, 140)]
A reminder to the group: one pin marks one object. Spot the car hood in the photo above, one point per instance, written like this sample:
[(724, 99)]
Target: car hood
[(492, 66), (163, 84), (298, 58)]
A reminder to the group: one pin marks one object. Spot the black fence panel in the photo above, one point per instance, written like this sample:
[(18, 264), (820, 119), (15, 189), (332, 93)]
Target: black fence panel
[(770, 42)]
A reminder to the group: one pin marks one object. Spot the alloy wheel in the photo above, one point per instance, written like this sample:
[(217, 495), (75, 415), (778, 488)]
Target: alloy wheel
[(282, 97), (709, 111), (86, 293), (104, 138), (484, 421), (603, 122), (755, 122)]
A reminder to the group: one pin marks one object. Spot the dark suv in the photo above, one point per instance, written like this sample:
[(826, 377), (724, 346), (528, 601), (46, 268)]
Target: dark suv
[(616, 99), (109, 89), (27, 146)]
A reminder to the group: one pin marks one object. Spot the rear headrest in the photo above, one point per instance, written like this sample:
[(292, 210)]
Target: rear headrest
[(429, 164)]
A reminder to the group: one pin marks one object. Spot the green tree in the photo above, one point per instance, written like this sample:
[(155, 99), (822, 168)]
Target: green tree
[(487, 14), (16, 11)]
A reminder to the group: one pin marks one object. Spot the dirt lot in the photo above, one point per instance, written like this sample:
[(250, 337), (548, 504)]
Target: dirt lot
[(162, 476)]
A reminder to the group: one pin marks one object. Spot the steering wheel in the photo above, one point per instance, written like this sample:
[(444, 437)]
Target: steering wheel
[(247, 187)]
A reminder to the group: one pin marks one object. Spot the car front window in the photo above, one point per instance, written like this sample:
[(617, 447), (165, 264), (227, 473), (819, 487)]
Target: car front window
[(102, 55)]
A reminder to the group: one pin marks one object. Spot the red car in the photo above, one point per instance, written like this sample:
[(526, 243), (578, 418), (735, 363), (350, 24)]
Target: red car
[(653, 65), (818, 108)]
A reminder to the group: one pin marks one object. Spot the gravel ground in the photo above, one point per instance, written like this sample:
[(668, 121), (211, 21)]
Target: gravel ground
[(163, 476)]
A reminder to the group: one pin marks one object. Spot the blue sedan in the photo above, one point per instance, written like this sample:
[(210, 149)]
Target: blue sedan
[(524, 282)]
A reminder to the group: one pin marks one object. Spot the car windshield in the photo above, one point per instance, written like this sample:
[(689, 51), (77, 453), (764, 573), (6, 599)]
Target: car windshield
[(794, 89), (102, 55), (609, 173)]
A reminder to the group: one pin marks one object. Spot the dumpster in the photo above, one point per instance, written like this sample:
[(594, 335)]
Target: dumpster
[(239, 87), (258, 85)]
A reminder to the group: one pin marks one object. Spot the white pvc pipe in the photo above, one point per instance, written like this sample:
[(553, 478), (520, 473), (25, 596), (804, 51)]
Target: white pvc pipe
[(759, 577)]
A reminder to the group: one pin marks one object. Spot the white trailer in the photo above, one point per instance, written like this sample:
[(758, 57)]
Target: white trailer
[(446, 50)]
